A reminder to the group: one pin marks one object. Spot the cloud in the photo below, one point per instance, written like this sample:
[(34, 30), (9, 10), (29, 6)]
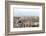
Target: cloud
[(26, 12)]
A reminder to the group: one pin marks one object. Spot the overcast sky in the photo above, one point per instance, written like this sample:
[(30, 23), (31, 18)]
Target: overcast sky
[(25, 12)]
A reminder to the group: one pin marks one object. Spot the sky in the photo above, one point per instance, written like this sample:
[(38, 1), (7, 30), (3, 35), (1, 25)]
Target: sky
[(25, 12)]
